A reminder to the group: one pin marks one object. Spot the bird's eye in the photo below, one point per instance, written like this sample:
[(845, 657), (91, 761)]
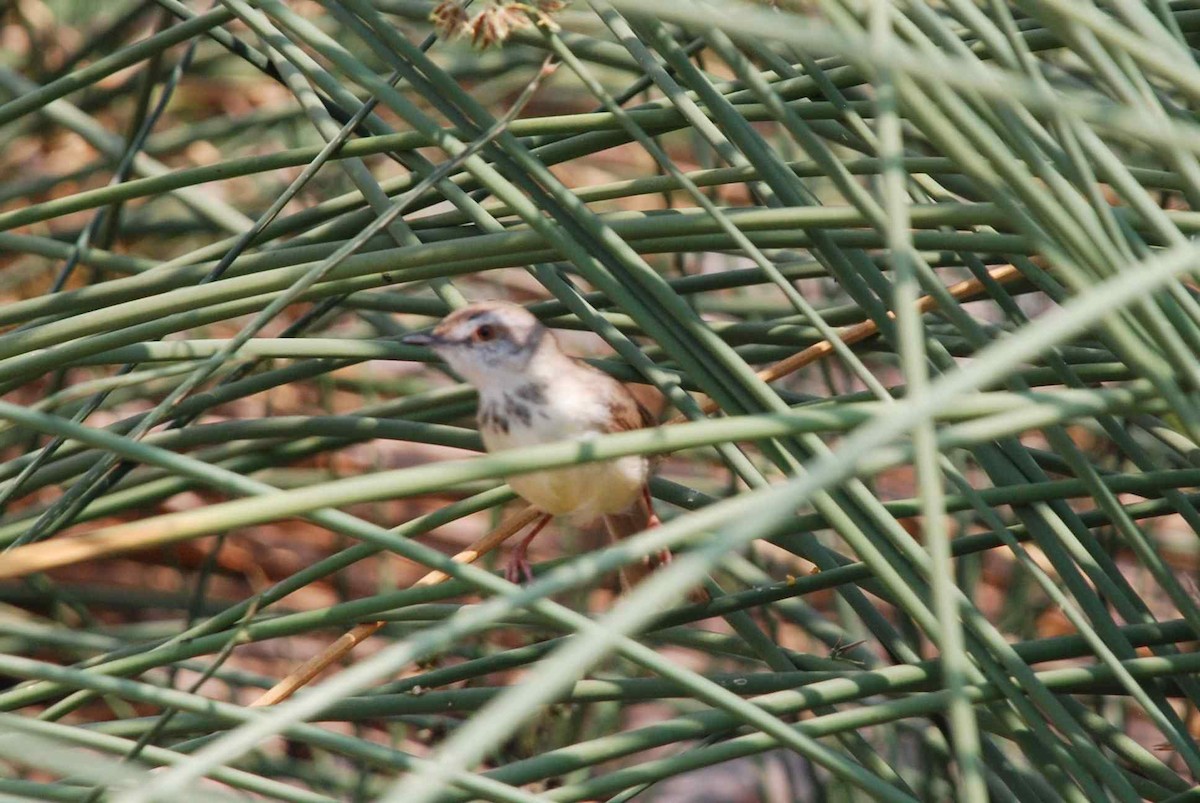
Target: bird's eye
[(485, 333)]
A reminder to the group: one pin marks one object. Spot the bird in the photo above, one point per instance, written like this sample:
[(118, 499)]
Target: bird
[(531, 392)]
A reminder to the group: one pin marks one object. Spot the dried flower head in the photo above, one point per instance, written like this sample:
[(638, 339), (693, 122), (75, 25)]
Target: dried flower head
[(495, 21), (448, 17)]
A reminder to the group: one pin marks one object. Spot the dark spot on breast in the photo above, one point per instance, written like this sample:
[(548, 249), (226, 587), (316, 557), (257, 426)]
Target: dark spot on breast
[(534, 392), (517, 410), (491, 418)]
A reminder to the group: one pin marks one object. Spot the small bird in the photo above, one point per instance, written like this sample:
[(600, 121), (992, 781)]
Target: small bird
[(530, 392)]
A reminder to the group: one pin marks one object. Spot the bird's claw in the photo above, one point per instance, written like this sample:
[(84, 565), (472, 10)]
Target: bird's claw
[(518, 570)]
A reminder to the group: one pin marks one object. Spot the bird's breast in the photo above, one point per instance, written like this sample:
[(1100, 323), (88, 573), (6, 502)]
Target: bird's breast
[(585, 492), (528, 415)]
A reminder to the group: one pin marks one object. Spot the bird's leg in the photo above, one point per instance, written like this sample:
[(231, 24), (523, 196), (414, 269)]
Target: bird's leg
[(652, 520), (518, 570)]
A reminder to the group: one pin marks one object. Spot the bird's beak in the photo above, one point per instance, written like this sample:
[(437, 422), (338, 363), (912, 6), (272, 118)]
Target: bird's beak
[(426, 339)]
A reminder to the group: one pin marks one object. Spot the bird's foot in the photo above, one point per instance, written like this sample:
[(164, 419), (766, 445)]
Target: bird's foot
[(518, 570)]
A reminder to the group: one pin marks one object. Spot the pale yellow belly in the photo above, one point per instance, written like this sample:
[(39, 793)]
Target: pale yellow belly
[(584, 492)]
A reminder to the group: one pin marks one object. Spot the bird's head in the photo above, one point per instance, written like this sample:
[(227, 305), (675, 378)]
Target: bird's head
[(489, 342)]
